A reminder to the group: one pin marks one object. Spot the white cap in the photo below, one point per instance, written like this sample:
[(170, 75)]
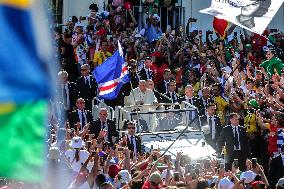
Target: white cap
[(157, 17), (138, 35), (248, 176), (225, 183), (77, 142), (164, 173), (142, 32), (227, 69), (125, 177), (78, 24), (206, 129)]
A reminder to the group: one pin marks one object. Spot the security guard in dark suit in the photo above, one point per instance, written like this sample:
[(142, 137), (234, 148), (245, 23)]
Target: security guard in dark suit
[(236, 140)]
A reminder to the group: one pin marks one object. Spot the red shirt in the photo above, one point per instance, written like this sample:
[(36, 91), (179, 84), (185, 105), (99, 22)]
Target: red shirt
[(272, 140), (159, 71), (146, 185)]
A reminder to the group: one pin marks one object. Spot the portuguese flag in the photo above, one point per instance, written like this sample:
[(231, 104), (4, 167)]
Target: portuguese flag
[(220, 26), (25, 88)]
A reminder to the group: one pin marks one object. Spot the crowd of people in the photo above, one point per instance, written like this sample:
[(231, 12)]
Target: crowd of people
[(236, 84)]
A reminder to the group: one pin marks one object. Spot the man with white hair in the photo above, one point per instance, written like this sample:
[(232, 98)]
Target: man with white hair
[(142, 95), (108, 126)]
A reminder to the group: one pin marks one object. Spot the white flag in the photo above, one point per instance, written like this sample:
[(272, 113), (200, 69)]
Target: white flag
[(253, 15)]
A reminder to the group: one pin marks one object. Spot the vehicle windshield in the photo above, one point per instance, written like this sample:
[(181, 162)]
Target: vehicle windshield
[(164, 119)]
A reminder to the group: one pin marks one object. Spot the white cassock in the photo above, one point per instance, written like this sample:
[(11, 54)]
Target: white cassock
[(147, 97)]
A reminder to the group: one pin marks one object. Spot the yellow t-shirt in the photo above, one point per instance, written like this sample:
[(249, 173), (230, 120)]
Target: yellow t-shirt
[(250, 123), (221, 104), (100, 57), (196, 88)]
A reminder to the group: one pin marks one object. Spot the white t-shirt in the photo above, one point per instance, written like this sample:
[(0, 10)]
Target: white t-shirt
[(76, 165)]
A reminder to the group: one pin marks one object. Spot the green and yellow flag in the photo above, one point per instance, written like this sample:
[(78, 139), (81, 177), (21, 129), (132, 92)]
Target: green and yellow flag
[(25, 87)]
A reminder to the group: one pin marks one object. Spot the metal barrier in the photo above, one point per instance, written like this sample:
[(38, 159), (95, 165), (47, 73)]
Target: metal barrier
[(149, 117), (178, 15)]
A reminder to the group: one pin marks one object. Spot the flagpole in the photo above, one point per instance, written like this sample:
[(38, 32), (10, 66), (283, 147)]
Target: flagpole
[(132, 91)]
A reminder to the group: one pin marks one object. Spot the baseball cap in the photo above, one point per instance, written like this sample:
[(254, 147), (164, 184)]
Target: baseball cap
[(280, 183), (155, 177), (225, 183), (248, 176)]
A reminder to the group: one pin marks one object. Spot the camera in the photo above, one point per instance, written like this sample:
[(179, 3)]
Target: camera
[(253, 162), (210, 32), (176, 176), (192, 19), (236, 163)]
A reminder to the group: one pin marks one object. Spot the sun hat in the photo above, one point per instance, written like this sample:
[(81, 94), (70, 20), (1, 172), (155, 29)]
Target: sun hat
[(54, 153), (77, 142), (225, 183)]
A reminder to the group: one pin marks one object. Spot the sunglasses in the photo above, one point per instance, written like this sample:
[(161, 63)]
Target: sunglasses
[(131, 127), (84, 69)]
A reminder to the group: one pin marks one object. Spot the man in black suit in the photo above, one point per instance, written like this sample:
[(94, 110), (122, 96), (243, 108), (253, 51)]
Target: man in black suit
[(86, 86), (214, 126), (172, 94), (66, 91), (236, 140), (102, 124), (195, 101), (162, 87), (150, 85), (170, 122), (146, 73), (206, 96), (80, 115), (133, 141), (276, 170)]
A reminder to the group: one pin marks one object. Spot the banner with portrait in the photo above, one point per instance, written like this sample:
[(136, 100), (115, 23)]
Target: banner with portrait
[(253, 15)]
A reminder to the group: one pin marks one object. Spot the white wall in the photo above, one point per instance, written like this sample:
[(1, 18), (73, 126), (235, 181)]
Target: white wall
[(205, 21), (81, 8)]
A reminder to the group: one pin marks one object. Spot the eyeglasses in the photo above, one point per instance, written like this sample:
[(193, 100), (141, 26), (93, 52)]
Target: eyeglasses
[(131, 127)]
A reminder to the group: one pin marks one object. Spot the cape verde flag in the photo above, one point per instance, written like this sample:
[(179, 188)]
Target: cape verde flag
[(111, 75)]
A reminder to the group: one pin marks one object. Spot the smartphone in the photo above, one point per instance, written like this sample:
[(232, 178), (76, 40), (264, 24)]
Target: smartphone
[(176, 176), (108, 37), (176, 165), (83, 17), (254, 162), (236, 163), (196, 170), (273, 30), (206, 164), (120, 149), (222, 165), (235, 34), (188, 168), (167, 158), (193, 174)]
